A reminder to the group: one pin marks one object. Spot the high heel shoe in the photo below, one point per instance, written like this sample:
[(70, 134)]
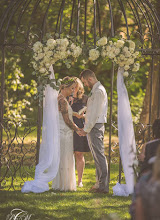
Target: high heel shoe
[(80, 185)]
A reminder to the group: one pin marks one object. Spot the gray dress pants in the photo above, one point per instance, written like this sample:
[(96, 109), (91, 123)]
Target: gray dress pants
[(96, 137)]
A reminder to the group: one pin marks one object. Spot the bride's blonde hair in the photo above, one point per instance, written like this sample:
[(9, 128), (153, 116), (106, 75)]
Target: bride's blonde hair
[(80, 91), (67, 82)]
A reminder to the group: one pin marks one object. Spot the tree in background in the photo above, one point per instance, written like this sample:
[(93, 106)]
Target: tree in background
[(25, 88), (144, 118)]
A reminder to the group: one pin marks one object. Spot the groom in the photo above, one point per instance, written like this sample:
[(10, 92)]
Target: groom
[(96, 116)]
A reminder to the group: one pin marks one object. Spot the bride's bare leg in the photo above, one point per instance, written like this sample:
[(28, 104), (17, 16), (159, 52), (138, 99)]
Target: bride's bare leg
[(80, 164)]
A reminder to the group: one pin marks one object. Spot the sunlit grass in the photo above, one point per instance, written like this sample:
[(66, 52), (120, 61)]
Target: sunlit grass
[(67, 205), (64, 205)]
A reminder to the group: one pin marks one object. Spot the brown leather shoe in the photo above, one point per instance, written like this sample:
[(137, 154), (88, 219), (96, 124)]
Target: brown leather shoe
[(93, 188)]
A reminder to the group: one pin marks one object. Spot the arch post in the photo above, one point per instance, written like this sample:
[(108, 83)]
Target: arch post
[(110, 121), (2, 107)]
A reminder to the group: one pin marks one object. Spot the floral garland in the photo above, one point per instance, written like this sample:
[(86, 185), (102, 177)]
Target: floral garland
[(64, 50), (122, 52), (54, 51)]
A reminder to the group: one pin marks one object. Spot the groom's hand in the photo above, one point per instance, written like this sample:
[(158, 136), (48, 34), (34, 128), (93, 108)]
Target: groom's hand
[(82, 133)]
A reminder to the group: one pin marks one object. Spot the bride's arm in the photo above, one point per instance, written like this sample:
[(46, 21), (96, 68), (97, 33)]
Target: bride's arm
[(64, 110)]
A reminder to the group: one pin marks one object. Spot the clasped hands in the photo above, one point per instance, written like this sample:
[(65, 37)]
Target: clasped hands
[(81, 132), (82, 115)]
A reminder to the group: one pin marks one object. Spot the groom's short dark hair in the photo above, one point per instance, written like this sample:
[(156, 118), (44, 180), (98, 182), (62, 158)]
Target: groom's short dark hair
[(87, 73)]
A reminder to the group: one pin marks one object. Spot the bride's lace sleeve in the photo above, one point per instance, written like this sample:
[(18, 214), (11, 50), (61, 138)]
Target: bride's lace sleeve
[(63, 108)]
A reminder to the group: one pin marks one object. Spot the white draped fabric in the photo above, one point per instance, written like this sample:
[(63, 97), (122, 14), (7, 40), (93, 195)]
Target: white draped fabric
[(49, 156), (126, 136)]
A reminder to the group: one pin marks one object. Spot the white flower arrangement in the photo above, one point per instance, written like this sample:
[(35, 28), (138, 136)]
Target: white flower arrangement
[(93, 54), (52, 52), (102, 41), (121, 52), (64, 50)]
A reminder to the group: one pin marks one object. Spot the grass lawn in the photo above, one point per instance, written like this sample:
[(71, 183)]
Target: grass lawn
[(67, 205)]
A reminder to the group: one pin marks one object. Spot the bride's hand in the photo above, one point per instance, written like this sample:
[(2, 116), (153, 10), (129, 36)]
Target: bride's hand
[(82, 115), (78, 115), (81, 132)]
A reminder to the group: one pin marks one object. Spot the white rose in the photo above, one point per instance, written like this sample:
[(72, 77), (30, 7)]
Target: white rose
[(113, 49), (41, 64), (102, 41), (36, 58), (60, 43), (77, 52), (136, 67), (131, 50), (93, 54), (35, 65), (40, 56), (49, 53), (121, 64), (136, 53), (37, 46), (47, 65), (42, 70), (53, 61), (120, 43), (62, 48), (128, 54), (126, 67), (110, 42), (130, 61), (57, 56), (46, 49), (63, 55), (117, 51), (51, 43), (108, 48), (125, 49), (125, 74), (65, 42), (68, 52), (122, 57), (131, 44), (111, 55), (46, 60), (104, 53), (73, 46)]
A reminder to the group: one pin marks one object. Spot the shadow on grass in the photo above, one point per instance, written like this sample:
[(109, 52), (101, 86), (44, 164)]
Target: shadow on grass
[(60, 205), (68, 205)]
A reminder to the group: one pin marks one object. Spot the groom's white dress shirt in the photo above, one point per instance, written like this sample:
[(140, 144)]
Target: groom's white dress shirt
[(97, 106)]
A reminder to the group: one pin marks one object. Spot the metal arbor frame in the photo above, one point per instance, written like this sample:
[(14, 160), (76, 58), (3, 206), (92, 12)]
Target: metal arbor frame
[(146, 25)]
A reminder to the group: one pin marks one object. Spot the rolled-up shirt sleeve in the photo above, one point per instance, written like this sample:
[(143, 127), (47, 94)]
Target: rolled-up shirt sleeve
[(94, 109)]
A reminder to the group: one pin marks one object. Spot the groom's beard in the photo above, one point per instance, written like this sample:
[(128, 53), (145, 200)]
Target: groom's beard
[(90, 85)]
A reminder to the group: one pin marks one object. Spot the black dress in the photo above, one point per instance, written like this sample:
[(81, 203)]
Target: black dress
[(80, 143)]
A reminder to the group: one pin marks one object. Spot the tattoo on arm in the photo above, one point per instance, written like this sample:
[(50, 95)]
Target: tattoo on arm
[(64, 110)]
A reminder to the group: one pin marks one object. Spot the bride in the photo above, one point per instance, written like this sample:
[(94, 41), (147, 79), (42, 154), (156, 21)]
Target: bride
[(65, 178), (56, 158)]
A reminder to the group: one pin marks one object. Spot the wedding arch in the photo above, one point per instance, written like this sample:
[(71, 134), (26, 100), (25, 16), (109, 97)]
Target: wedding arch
[(80, 20)]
